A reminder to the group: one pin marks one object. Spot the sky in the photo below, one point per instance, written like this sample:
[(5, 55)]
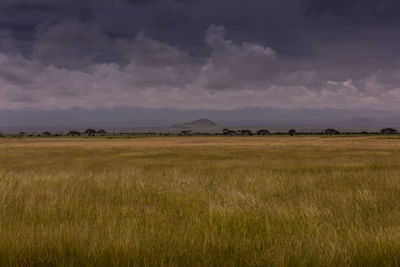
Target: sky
[(199, 54)]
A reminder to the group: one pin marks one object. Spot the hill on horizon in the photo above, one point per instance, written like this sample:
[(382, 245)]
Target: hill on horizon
[(149, 119)]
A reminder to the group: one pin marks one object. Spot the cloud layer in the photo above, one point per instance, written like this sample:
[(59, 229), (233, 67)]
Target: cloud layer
[(150, 73), (176, 53)]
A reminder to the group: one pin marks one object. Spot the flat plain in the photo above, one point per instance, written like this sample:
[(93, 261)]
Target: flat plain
[(200, 201)]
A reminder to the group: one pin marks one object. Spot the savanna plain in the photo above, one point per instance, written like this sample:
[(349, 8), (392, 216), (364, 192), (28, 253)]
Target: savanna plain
[(200, 201)]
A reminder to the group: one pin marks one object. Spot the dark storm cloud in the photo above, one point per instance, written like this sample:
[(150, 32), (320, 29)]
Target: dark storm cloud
[(191, 53), (140, 1), (361, 9)]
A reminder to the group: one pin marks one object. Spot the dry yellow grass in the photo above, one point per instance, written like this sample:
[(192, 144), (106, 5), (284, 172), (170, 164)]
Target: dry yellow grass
[(206, 201)]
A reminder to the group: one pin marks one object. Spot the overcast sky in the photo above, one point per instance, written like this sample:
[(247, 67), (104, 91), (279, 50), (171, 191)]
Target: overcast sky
[(208, 54)]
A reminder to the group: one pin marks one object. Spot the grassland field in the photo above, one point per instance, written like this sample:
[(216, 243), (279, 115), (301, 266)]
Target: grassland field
[(200, 201)]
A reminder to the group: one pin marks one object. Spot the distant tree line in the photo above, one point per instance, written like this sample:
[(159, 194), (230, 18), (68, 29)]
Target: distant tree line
[(389, 131), (247, 132), (226, 132), (292, 132), (89, 132)]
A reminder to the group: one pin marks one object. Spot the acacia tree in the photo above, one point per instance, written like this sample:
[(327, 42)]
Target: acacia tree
[(389, 131), (263, 132), (187, 132), (46, 133), (228, 132), (331, 131), (90, 132), (102, 132), (245, 132), (292, 132), (73, 133)]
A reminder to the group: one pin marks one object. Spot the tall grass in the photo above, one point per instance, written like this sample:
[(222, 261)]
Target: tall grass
[(200, 201)]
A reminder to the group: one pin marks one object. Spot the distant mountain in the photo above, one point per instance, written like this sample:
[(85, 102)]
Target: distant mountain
[(149, 119), (202, 123)]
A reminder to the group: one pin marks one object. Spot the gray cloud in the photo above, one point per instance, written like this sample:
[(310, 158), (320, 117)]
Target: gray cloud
[(281, 53), (73, 44), (156, 74), (360, 9), (140, 1)]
